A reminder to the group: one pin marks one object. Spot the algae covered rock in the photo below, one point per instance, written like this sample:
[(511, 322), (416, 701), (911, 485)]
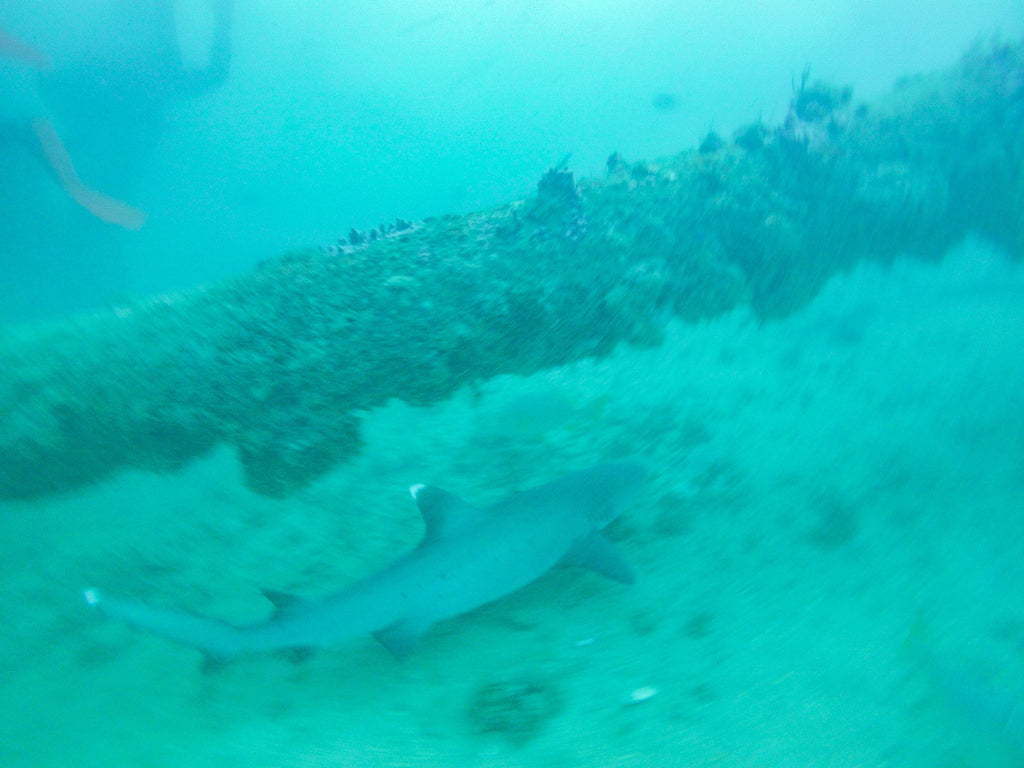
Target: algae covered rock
[(516, 709), (280, 363)]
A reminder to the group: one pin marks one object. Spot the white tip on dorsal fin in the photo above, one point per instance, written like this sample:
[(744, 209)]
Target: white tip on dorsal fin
[(444, 513)]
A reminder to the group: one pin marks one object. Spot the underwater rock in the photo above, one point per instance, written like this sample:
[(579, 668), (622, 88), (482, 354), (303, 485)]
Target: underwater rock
[(278, 363), (615, 164), (557, 209), (752, 136), (515, 709), (711, 143), (276, 458), (817, 114), (816, 102), (557, 188)]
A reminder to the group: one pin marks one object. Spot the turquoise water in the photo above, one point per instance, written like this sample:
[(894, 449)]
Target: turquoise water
[(830, 545), (336, 115)]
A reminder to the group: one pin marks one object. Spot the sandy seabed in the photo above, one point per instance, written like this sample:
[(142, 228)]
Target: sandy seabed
[(830, 553)]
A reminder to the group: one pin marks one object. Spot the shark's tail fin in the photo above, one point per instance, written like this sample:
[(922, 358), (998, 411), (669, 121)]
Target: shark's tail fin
[(218, 640)]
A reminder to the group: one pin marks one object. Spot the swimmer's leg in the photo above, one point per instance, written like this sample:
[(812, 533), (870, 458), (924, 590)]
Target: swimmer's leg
[(99, 205), (18, 50)]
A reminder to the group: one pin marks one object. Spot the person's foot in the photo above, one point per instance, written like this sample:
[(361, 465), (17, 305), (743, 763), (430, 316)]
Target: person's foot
[(108, 209)]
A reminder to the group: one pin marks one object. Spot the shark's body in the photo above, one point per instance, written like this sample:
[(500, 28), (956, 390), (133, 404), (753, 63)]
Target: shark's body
[(468, 557)]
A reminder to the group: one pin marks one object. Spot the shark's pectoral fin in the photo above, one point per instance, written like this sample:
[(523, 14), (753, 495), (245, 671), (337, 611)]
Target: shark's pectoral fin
[(444, 513), (596, 553), (283, 601), (401, 637)]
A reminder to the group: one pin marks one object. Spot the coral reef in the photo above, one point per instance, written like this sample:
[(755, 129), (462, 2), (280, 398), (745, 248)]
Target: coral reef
[(279, 362)]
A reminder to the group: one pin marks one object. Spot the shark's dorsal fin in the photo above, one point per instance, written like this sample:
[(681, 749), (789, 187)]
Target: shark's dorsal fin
[(597, 554), (444, 513)]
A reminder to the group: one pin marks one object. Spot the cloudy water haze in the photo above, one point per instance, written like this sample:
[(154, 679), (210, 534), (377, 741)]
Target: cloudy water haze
[(334, 115), (505, 384)]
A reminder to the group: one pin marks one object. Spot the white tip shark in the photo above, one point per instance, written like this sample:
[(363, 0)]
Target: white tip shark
[(468, 557)]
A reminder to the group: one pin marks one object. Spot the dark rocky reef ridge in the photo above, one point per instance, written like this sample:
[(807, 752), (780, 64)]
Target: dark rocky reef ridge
[(277, 362)]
